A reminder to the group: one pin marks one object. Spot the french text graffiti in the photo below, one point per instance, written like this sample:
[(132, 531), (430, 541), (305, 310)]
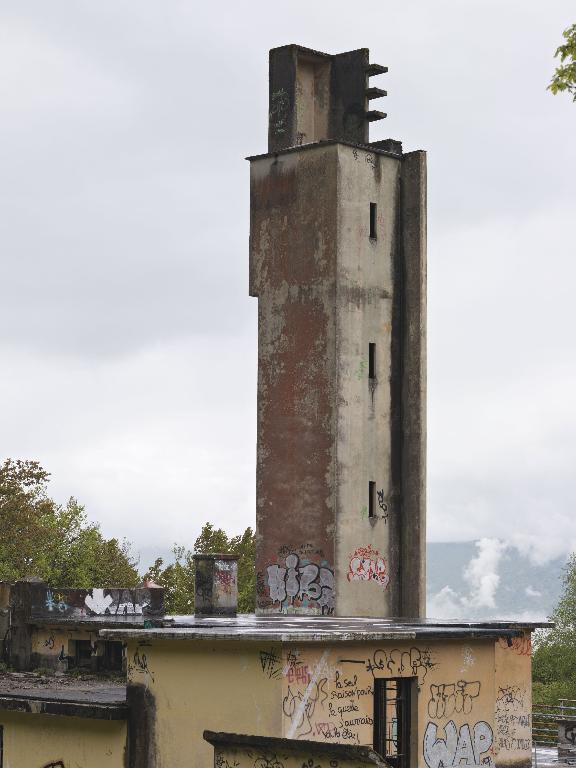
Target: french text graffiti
[(301, 582), (49, 642), (57, 764), (459, 746), (367, 564), (448, 698)]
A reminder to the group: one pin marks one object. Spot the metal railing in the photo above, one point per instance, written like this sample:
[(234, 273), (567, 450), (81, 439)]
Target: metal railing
[(545, 719)]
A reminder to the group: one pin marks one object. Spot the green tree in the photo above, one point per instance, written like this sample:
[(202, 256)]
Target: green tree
[(564, 78), (177, 578), (554, 659), (55, 542)]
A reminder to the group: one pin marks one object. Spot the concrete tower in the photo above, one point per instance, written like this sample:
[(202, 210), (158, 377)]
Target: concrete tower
[(338, 263)]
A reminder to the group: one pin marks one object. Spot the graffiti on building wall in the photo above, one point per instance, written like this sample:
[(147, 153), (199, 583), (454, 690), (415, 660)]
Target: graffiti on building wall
[(138, 664), (513, 718), (464, 746), (271, 663), (57, 764), (521, 645), (449, 698), (301, 583), (255, 757), (279, 109), (367, 564), (416, 662), (80, 603), (323, 703)]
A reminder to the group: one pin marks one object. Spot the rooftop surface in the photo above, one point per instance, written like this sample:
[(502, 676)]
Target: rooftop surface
[(97, 699), (287, 628), (374, 148)]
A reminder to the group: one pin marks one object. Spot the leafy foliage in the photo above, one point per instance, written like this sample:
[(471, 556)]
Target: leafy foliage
[(554, 660), (177, 578), (564, 78), (57, 543)]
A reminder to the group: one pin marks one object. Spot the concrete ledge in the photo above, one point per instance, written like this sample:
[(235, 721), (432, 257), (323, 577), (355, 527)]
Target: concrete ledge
[(37, 705), (364, 755)]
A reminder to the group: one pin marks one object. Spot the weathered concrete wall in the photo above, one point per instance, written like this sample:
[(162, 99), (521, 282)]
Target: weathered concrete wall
[(216, 585), (367, 572), (314, 96), (326, 694), (48, 603), (410, 433), (328, 430), (49, 741), (292, 271), (53, 646)]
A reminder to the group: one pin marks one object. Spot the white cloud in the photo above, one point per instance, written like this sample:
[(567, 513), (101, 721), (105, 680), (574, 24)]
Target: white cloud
[(531, 592)]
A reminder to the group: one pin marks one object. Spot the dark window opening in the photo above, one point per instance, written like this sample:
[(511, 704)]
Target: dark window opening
[(392, 720), (1, 746), (371, 361), (371, 499), (112, 659), (373, 221), (80, 654)]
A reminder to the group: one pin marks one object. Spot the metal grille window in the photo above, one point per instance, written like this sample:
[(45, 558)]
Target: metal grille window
[(392, 720)]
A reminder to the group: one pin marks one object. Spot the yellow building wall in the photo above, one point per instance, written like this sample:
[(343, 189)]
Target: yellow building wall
[(513, 715), (50, 741), (50, 642), (202, 685), (326, 693), (332, 700)]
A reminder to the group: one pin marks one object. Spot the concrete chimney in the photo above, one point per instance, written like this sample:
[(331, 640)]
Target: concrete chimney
[(216, 585)]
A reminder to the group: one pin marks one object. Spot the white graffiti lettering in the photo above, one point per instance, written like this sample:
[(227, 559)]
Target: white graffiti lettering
[(458, 747)]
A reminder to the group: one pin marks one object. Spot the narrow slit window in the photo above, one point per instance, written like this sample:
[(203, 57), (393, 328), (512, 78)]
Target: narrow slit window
[(371, 498), (371, 360), (373, 210)]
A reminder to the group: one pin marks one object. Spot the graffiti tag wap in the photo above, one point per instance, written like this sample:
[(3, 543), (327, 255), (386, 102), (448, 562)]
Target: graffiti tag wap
[(459, 747), (301, 582), (367, 564)]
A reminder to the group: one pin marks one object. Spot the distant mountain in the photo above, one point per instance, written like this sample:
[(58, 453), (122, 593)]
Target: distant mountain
[(490, 579)]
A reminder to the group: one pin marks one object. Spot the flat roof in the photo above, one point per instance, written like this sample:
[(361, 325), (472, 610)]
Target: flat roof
[(326, 143), (92, 699), (288, 628), (93, 622)]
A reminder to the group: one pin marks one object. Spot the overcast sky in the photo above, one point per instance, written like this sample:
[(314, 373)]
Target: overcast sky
[(127, 337)]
